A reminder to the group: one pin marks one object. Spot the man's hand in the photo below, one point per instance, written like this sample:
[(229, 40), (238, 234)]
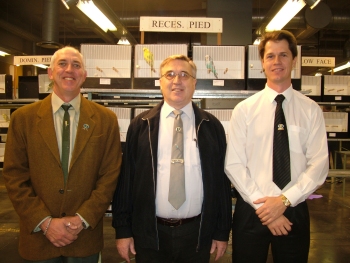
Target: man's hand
[(281, 226), (123, 246), (58, 233), (220, 246), (74, 224), (271, 209)]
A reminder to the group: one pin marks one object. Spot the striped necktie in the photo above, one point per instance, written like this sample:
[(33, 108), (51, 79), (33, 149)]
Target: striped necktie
[(65, 141), (281, 156)]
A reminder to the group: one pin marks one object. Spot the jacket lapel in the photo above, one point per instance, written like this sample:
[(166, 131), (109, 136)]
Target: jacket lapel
[(85, 129), (46, 127)]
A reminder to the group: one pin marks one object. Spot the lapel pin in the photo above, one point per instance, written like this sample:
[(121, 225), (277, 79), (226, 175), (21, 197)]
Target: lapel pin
[(86, 127)]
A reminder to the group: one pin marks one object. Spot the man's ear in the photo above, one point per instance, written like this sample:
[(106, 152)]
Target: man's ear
[(49, 73), (262, 65)]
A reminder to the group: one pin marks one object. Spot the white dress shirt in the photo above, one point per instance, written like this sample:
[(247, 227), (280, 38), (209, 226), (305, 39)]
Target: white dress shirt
[(248, 162), (193, 172)]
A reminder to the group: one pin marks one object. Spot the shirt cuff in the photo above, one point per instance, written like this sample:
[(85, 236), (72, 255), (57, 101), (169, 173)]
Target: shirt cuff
[(84, 222), (37, 228)]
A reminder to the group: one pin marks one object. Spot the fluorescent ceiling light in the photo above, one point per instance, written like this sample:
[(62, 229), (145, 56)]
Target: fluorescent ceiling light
[(90, 9), (41, 66), (69, 3), (257, 41), (339, 68), (286, 13), (312, 3), (123, 41), (65, 4), (3, 54)]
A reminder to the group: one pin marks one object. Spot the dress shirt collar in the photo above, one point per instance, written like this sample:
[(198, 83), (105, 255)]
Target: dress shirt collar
[(167, 110), (271, 94), (57, 102)]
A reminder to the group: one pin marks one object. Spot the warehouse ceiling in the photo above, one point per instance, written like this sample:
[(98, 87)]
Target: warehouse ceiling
[(21, 24)]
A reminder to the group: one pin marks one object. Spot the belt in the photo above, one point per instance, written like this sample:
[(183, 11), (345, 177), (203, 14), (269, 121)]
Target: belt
[(173, 222)]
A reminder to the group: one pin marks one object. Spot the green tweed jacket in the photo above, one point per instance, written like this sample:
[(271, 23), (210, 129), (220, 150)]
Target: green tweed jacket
[(35, 182)]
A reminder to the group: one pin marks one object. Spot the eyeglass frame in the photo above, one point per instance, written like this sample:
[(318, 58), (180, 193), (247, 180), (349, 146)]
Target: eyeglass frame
[(177, 74)]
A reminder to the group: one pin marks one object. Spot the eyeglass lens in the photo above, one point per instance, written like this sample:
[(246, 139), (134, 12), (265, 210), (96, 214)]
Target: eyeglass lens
[(171, 75)]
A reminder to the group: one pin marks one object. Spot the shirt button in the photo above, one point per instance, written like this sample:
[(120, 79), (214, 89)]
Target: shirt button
[(61, 191)]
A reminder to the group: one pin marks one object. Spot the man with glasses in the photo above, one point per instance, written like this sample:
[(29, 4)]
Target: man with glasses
[(147, 219)]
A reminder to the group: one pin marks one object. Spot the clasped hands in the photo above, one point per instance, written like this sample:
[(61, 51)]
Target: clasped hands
[(271, 215), (62, 231)]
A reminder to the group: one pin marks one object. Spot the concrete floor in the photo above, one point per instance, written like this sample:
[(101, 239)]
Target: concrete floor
[(330, 229)]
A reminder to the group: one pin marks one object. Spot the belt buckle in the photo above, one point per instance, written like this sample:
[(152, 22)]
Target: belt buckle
[(175, 222)]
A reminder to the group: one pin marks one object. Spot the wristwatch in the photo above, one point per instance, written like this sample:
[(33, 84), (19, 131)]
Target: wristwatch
[(285, 201)]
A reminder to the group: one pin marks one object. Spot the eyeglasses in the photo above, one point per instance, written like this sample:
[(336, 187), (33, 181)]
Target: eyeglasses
[(170, 75)]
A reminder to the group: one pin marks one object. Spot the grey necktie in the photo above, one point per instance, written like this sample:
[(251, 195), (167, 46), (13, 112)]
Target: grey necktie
[(65, 141), (281, 156), (177, 195)]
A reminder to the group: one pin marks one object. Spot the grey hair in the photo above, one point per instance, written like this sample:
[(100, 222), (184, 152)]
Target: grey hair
[(54, 56), (180, 57)]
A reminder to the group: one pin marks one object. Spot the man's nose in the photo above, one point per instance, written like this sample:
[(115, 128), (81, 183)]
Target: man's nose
[(277, 59), (177, 78), (69, 67)]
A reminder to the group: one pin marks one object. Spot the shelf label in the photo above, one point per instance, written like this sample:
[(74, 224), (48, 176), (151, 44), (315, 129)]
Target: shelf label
[(218, 82), (105, 81)]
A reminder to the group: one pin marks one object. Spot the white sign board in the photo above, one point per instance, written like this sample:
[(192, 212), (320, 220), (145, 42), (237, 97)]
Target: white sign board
[(181, 24), (328, 62), (31, 60)]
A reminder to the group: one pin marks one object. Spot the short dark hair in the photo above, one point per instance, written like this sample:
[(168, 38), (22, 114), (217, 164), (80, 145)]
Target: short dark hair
[(277, 36)]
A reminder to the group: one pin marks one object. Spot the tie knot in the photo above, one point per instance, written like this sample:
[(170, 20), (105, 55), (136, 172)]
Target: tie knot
[(279, 98), (66, 107), (177, 112)]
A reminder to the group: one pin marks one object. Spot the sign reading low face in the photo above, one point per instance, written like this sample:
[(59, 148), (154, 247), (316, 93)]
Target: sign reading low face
[(31, 60), (328, 62), (181, 24)]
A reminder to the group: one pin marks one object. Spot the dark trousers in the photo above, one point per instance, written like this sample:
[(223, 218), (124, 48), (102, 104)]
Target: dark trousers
[(176, 244), (251, 240), (90, 259)]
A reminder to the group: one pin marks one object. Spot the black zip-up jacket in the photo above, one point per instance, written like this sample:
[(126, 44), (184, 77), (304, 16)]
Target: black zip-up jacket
[(134, 209)]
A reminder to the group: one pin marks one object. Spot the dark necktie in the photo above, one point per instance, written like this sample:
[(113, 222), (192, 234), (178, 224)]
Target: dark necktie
[(281, 157), (177, 195), (65, 141)]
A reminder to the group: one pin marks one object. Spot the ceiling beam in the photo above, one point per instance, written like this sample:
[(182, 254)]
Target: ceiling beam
[(19, 31)]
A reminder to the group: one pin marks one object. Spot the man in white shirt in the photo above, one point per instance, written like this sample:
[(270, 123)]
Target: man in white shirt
[(265, 213), (145, 220)]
